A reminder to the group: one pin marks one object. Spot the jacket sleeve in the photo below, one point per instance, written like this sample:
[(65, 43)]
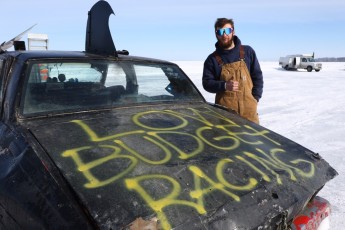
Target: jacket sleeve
[(256, 74), (211, 75)]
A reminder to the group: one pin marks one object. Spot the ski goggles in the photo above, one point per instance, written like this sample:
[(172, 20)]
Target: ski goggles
[(227, 31)]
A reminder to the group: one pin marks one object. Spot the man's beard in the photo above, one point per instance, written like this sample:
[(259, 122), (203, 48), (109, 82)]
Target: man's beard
[(225, 45)]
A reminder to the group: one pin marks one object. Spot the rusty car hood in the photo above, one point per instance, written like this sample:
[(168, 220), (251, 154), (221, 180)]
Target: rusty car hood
[(181, 167)]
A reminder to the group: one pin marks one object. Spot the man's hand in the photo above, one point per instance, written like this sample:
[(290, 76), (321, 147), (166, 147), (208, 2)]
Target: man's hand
[(231, 86)]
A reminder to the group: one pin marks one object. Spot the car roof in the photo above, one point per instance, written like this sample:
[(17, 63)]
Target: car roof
[(46, 54)]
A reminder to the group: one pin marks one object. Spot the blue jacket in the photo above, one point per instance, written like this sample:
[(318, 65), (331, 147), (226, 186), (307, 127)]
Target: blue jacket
[(212, 70)]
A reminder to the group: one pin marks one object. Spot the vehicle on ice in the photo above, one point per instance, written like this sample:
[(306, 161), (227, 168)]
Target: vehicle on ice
[(99, 139), (300, 61)]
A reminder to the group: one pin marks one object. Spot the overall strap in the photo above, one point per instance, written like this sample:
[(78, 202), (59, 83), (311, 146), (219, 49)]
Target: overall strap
[(218, 58), (242, 53)]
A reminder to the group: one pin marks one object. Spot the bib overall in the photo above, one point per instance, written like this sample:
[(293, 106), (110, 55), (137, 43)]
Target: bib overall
[(241, 101)]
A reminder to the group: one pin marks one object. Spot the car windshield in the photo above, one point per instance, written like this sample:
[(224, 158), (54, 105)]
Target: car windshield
[(56, 87)]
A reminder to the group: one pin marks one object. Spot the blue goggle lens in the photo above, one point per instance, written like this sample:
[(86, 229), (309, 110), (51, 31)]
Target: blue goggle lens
[(227, 31)]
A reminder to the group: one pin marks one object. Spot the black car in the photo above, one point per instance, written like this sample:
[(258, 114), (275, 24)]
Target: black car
[(99, 139)]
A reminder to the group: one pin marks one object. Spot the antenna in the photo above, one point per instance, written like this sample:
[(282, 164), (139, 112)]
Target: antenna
[(6, 45)]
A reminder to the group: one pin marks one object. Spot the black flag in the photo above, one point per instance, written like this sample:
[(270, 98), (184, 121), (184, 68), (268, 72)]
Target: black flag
[(98, 36)]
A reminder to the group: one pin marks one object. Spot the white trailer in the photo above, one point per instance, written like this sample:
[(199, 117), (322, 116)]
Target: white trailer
[(300, 61)]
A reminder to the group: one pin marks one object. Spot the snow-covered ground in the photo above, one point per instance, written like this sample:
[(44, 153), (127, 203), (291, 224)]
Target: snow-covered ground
[(308, 108)]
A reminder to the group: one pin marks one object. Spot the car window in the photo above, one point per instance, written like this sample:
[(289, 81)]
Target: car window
[(115, 76), (149, 78), (163, 82), (56, 87)]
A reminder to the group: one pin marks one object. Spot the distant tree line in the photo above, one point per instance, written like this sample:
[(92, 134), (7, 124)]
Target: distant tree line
[(331, 59)]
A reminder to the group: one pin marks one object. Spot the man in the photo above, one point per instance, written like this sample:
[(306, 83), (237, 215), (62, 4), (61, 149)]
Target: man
[(233, 72)]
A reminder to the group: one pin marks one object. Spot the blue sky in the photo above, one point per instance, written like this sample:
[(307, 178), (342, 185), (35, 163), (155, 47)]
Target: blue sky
[(183, 30)]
